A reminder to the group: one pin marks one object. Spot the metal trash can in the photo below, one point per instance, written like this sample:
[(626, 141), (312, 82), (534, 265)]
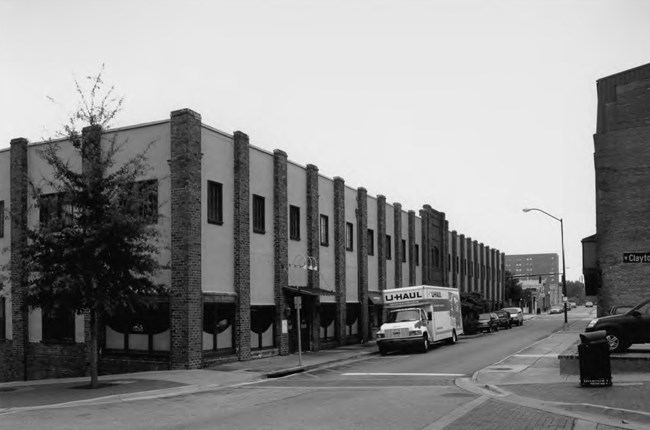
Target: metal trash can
[(593, 352)]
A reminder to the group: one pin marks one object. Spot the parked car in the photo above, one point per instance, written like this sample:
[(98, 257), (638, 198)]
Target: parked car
[(516, 315), (620, 309), (504, 319), (573, 305), (589, 304), (488, 322), (625, 329), (557, 309)]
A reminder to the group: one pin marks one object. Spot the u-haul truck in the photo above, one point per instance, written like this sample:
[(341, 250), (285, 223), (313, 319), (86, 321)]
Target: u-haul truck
[(418, 316)]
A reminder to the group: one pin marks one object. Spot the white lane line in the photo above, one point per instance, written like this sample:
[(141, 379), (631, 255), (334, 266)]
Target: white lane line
[(535, 355), (403, 374)]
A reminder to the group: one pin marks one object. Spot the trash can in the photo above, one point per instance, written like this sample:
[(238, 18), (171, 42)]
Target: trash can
[(593, 352)]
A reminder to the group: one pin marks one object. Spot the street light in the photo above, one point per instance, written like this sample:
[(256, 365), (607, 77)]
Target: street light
[(566, 320)]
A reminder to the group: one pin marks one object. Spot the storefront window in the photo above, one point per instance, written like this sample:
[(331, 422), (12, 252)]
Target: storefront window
[(262, 328)]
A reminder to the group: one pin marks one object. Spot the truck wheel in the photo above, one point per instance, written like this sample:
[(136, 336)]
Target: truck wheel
[(382, 351), (425, 343), (453, 339)]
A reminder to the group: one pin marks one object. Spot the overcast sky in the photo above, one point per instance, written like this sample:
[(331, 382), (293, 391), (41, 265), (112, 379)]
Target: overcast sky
[(478, 108)]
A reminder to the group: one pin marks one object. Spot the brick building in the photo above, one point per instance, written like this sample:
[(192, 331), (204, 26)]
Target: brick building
[(622, 165), (247, 232)]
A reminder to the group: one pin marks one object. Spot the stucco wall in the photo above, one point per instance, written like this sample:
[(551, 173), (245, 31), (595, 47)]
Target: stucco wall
[(297, 196), (326, 253), (351, 265), (373, 278)]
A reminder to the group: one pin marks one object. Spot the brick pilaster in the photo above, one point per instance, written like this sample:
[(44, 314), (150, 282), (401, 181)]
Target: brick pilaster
[(488, 275), (481, 268), (426, 251), (411, 247), (362, 260), (381, 242), (339, 258), (444, 250), (313, 248), (454, 256), (186, 296), (397, 240), (477, 266), (18, 177), (280, 246), (463, 259)]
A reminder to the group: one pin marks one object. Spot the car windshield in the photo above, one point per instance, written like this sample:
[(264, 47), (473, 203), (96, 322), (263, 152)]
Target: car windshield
[(511, 310), (403, 316), (484, 317)]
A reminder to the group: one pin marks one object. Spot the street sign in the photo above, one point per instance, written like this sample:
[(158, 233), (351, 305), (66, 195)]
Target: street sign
[(297, 301), (636, 257)]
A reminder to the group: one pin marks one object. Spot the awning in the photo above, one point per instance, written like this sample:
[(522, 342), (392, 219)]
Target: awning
[(310, 291), (374, 297)]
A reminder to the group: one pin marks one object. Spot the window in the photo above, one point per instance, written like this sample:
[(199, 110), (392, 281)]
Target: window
[(403, 251), (145, 204), (371, 242), (349, 238), (215, 203), (327, 312), (2, 218), (58, 325), (3, 318), (324, 230), (141, 329), (294, 222), (53, 209), (262, 328), (218, 325), (417, 254), (258, 214), (389, 253)]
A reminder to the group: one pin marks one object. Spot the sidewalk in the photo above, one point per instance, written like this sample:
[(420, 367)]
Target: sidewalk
[(49, 393), (528, 380)]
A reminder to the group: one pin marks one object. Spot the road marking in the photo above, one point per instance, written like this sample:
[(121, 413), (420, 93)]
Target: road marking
[(403, 374), (535, 355)]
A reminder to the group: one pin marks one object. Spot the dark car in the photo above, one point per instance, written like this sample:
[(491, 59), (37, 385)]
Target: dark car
[(516, 315), (626, 329), (557, 309), (504, 319), (488, 322)]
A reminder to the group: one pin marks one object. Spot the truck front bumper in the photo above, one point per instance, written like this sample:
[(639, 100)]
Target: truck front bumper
[(399, 343)]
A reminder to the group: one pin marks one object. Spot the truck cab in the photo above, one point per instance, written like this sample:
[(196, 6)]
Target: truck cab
[(405, 327)]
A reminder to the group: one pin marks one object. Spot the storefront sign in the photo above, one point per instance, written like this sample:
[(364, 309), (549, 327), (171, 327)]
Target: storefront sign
[(636, 257)]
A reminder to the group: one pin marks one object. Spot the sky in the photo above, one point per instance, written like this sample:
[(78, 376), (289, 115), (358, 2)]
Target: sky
[(478, 108)]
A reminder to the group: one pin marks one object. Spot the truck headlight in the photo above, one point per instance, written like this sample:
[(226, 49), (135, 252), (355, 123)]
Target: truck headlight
[(592, 323), (415, 332)]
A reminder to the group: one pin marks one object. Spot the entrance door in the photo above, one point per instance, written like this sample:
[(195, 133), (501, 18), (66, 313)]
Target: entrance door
[(305, 325)]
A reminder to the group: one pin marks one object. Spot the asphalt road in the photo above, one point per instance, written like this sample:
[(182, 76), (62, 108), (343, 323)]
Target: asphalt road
[(398, 391)]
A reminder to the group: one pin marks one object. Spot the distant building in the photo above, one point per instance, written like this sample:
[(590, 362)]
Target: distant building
[(616, 260), (537, 269)]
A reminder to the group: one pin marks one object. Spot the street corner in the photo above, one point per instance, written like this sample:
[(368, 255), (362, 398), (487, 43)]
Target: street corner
[(58, 394)]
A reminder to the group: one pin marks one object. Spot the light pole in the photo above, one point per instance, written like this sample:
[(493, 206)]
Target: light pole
[(566, 320)]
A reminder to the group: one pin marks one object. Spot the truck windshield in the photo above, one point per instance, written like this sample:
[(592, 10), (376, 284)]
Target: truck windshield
[(403, 316)]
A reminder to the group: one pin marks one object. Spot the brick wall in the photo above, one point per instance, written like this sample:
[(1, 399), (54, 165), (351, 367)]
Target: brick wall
[(57, 360), (362, 261), (241, 231), (18, 211), (185, 296), (411, 248), (280, 246), (381, 242), (313, 248), (397, 243), (454, 255), (339, 258)]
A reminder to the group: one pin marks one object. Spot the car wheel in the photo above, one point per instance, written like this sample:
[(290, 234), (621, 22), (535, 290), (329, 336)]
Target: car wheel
[(425, 343), (453, 339), (496, 328), (616, 343), (382, 351)]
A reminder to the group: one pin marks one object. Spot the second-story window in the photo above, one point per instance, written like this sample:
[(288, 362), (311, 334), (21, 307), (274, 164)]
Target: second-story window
[(417, 254), (258, 214), (215, 202), (403, 251), (349, 236), (2, 218), (294, 222), (371, 242), (324, 230), (389, 253)]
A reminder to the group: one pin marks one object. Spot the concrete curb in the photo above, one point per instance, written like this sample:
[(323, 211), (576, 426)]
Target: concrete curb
[(298, 369)]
